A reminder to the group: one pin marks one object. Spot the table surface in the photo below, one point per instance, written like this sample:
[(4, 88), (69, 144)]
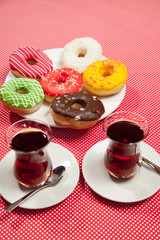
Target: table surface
[(127, 31)]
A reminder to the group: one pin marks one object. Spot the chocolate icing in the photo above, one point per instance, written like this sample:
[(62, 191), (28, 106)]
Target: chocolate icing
[(91, 107)]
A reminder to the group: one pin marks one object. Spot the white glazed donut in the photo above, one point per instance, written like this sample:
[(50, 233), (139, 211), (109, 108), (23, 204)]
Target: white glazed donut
[(80, 53)]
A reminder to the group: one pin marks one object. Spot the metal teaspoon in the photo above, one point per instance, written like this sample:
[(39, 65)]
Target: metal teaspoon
[(151, 164), (55, 177)]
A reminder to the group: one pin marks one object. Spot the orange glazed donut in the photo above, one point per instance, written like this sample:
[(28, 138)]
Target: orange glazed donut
[(29, 62), (61, 81), (105, 77)]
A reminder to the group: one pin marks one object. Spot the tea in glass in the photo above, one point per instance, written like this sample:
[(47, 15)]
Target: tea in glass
[(29, 139), (125, 131)]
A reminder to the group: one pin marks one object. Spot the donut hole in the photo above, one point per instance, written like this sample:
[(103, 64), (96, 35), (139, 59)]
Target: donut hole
[(106, 70), (31, 61), (21, 91), (80, 104), (62, 77), (82, 53)]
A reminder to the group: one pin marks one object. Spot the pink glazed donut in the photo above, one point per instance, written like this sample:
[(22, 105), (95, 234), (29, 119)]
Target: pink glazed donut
[(29, 62)]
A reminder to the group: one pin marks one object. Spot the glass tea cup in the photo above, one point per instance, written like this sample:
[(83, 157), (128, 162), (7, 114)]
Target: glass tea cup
[(29, 140), (125, 131)]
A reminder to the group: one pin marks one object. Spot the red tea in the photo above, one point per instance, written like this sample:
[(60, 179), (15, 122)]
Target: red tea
[(32, 165), (125, 132), (122, 156)]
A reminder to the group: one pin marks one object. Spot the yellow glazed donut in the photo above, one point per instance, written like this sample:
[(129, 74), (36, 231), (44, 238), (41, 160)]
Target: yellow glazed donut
[(105, 77)]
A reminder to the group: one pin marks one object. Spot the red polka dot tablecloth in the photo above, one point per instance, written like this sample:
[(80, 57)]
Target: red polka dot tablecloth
[(127, 31)]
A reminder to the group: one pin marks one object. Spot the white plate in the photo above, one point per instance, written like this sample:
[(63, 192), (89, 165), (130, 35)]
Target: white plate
[(11, 191), (143, 185), (110, 103)]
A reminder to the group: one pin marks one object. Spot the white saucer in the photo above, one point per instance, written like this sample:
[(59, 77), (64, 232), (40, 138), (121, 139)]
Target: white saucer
[(11, 191), (142, 186), (110, 103)]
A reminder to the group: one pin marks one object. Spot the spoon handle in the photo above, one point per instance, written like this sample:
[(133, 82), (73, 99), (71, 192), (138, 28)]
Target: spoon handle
[(151, 164), (24, 198)]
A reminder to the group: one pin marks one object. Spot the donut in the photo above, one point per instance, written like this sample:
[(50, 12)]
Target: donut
[(61, 81), (80, 53), (105, 77), (79, 110), (29, 62), (22, 95)]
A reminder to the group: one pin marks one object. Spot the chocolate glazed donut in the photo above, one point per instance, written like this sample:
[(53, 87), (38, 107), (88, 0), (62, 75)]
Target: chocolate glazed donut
[(76, 110)]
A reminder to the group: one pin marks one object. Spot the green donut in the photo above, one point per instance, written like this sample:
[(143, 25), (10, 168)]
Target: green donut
[(11, 93)]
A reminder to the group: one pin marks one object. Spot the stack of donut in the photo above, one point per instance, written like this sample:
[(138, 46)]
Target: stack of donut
[(100, 77), (24, 94), (36, 80)]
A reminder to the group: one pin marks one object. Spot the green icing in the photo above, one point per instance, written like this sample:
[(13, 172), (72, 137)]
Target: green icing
[(33, 92)]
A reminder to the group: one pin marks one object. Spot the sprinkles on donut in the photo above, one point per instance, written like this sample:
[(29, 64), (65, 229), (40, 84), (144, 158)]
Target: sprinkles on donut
[(61, 81), (105, 77), (79, 110)]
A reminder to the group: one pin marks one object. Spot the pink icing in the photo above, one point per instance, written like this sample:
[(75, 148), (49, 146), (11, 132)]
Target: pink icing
[(18, 62)]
